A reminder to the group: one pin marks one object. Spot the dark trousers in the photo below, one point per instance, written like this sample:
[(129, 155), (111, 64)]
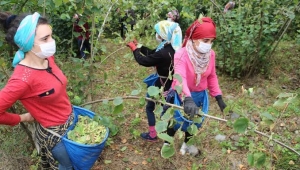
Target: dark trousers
[(85, 47), (150, 113), (171, 132)]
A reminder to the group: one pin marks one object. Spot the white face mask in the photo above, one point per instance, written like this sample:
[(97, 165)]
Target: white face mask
[(158, 39), (47, 49), (204, 47)]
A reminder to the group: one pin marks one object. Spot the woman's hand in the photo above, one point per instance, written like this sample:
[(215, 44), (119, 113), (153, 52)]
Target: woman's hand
[(190, 107), (26, 117), (132, 46), (221, 103)]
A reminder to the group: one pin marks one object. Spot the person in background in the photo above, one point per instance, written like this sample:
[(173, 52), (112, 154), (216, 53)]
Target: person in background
[(129, 18), (169, 37), (195, 63), (83, 39), (39, 84), (229, 6), (173, 16)]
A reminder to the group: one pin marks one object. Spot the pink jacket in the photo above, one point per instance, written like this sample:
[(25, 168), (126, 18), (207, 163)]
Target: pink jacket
[(184, 67)]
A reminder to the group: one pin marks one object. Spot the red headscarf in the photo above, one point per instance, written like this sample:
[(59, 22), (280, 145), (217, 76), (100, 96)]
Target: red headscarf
[(201, 28)]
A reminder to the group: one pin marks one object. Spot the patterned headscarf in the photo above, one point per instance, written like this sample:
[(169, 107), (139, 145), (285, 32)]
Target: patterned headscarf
[(200, 61), (25, 35), (170, 32), (201, 28)]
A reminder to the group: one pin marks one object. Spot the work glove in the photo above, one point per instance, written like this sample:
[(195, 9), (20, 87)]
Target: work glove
[(221, 103), (190, 107), (132, 46)]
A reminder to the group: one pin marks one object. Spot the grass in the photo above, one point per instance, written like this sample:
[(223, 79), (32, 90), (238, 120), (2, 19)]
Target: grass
[(120, 75)]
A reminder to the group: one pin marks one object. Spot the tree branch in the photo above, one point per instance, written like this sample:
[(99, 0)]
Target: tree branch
[(181, 108)]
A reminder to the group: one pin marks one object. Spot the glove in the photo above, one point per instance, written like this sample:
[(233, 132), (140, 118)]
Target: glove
[(132, 46), (221, 103), (190, 107)]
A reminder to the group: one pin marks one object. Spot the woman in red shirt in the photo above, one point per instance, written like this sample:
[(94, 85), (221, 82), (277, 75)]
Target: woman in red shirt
[(40, 86)]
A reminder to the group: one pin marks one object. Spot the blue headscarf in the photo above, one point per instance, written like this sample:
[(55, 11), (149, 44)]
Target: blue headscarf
[(170, 32), (24, 37)]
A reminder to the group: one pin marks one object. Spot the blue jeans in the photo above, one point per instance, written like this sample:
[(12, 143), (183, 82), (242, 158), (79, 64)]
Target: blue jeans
[(60, 154)]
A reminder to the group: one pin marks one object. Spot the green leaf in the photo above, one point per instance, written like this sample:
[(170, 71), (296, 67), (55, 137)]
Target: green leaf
[(178, 89), (250, 90), (167, 151), (158, 110), (280, 103), (192, 129), (142, 101), (117, 101), (192, 140), (161, 126), (166, 137), (149, 160), (77, 100), (180, 134), (285, 95), (178, 77), (153, 91), (267, 115), (107, 161), (261, 160), (240, 125), (65, 16), (105, 101), (250, 159), (113, 129), (123, 149), (118, 109), (292, 99), (135, 92), (88, 107), (4, 2), (167, 116), (58, 3), (197, 120)]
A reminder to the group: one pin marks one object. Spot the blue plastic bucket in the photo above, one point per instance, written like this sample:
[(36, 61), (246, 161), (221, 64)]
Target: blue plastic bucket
[(83, 156)]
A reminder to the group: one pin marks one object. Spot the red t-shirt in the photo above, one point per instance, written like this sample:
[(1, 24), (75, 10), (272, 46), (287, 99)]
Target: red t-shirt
[(42, 92)]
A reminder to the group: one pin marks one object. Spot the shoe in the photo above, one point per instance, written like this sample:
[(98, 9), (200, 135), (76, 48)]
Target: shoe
[(166, 144), (147, 137), (184, 148), (193, 150)]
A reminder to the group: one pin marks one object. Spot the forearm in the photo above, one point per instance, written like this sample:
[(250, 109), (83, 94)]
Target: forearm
[(10, 119)]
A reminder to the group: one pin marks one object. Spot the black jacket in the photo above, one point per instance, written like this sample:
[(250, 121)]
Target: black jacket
[(163, 60)]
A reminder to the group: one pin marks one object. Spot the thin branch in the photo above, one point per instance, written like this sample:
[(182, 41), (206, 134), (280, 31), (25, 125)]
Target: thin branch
[(288, 24), (102, 27), (181, 108), (112, 53)]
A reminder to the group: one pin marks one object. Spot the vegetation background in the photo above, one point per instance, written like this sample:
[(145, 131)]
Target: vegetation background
[(258, 66)]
